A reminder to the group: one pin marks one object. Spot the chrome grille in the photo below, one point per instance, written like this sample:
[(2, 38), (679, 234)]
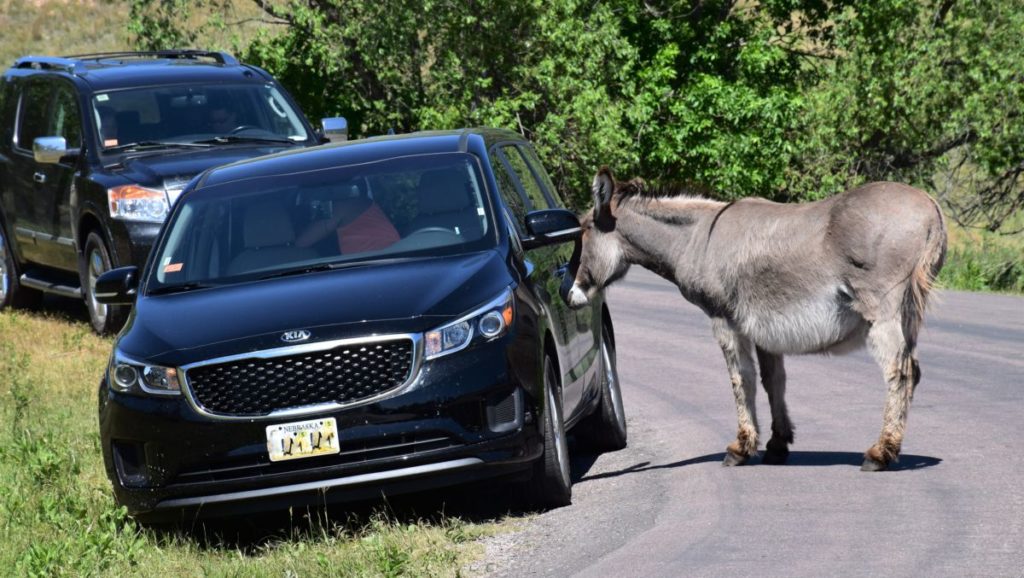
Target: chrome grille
[(257, 386)]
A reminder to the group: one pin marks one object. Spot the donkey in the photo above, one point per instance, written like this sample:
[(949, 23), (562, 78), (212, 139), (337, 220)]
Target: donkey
[(823, 277)]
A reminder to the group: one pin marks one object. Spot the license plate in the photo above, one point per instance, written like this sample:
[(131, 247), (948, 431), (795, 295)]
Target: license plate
[(302, 439)]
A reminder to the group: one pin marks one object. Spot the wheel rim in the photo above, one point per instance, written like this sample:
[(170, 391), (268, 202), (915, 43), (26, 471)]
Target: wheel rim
[(613, 385), (5, 280), (555, 415), (95, 269)]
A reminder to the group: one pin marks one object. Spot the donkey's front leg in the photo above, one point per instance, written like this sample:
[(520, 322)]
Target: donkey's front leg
[(739, 359)]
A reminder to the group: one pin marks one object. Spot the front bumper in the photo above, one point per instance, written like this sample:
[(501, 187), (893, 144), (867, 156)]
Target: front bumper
[(464, 419)]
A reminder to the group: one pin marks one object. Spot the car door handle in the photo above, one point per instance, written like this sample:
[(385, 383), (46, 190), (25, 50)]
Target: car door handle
[(39, 178), (562, 269)]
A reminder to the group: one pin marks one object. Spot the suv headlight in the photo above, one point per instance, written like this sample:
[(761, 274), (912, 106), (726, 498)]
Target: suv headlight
[(483, 324), (135, 203), (128, 376)]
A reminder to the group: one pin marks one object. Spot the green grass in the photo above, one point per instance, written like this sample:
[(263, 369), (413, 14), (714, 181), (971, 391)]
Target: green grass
[(57, 510), (983, 261)]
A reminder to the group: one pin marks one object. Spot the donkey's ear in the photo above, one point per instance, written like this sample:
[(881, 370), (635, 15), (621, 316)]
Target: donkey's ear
[(603, 187)]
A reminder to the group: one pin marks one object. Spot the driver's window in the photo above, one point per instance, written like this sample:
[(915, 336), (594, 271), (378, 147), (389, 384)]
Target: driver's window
[(65, 119), (33, 120)]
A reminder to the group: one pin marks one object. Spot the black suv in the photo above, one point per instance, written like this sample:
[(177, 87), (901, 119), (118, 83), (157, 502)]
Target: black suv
[(327, 324), (94, 149)]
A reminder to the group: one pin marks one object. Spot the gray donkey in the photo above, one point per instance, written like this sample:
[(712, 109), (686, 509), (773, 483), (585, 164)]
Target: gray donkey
[(776, 279)]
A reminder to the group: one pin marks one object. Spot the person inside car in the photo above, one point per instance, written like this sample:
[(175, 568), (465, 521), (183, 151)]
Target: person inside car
[(358, 222)]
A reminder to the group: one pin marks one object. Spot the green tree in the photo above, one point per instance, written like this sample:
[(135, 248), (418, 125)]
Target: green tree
[(789, 99)]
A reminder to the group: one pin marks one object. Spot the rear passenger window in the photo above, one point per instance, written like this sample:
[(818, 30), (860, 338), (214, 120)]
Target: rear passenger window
[(32, 122)]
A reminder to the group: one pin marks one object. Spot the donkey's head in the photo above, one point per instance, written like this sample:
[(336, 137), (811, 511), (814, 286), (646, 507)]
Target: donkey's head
[(600, 258)]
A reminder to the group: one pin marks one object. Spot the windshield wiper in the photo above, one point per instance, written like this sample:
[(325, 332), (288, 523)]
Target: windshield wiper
[(180, 288), (312, 269), (148, 144), (234, 138)]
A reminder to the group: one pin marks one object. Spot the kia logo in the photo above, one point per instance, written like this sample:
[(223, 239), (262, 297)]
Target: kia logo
[(295, 336)]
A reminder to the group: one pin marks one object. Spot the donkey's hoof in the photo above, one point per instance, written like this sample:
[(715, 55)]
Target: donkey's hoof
[(732, 459), (774, 457), (871, 465)]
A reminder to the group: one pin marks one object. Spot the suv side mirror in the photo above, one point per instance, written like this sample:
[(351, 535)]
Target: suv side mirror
[(335, 129), (49, 150), (118, 286), (551, 226)]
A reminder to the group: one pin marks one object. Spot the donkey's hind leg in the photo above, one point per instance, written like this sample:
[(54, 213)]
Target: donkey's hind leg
[(773, 378), (739, 359), (894, 353)]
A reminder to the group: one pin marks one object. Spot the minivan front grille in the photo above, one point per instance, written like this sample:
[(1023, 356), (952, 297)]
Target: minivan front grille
[(257, 386)]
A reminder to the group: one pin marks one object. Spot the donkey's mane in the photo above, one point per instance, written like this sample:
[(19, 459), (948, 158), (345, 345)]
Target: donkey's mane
[(640, 190)]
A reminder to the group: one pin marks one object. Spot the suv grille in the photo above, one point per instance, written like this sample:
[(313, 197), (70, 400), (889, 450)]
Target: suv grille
[(345, 374)]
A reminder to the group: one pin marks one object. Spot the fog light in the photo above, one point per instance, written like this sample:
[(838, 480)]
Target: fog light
[(125, 377)]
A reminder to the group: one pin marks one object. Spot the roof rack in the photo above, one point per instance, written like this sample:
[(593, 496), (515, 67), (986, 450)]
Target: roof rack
[(187, 54), (46, 63)]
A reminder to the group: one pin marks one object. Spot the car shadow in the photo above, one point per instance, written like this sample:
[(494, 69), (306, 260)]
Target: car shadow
[(796, 459), (478, 503)]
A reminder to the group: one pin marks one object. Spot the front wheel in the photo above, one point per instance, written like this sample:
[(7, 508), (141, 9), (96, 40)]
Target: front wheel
[(605, 429), (551, 485), (105, 318)]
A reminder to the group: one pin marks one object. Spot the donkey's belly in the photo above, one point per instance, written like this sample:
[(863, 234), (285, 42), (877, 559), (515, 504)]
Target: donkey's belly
[(809, 327)]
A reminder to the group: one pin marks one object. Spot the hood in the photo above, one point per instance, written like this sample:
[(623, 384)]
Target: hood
[(406, 297), (180, 165)]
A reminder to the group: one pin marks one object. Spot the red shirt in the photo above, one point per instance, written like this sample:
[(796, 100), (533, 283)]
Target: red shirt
[(370, 231)]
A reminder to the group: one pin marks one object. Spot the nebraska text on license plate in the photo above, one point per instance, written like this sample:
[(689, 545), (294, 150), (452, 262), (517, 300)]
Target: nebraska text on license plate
[(302, 439)]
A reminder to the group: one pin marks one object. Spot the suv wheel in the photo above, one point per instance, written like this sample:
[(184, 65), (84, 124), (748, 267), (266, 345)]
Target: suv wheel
[(12, 294), (105, 318), (551, 485), (605, 429)]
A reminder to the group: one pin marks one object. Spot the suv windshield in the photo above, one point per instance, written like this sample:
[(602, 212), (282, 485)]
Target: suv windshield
[(262, 227), (205, 114)]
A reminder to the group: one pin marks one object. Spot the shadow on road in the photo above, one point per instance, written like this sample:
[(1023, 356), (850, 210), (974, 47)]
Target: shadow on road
[(907, 462)]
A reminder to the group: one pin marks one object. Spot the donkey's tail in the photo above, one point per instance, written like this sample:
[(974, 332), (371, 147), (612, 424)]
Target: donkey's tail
[(923, 277)]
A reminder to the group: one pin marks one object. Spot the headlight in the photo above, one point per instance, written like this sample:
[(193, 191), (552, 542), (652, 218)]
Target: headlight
[(484, 324), (135, 203), (129, 376)]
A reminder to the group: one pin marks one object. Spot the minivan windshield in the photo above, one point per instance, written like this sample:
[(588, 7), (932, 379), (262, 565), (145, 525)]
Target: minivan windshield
[(298, 223), (184, 115)]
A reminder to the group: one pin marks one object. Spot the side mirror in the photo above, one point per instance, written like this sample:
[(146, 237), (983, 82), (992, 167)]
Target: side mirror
[(49, 150), (118, 286), (335, 129), (551, 226)]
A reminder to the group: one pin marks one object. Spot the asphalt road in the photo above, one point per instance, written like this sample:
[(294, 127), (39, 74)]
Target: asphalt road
[(664, 506)]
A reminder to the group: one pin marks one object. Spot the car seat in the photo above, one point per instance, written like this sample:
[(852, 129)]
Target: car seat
[(268, 237)]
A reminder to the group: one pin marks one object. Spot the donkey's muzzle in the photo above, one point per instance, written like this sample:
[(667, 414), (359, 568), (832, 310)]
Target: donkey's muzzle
[(577, 298)]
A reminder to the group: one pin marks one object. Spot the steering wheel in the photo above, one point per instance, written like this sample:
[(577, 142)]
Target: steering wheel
[(242, 127), (433, 230)]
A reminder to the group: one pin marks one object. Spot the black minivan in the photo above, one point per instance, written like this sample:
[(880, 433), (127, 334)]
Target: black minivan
[(334, 323)]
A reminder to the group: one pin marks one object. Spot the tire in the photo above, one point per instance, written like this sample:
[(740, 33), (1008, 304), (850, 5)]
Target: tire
[(12, 293), (551, 484), (605, 429), (105, 319)]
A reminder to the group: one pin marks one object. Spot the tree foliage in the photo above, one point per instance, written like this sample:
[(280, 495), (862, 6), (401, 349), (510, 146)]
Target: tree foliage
[(790, 99)]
